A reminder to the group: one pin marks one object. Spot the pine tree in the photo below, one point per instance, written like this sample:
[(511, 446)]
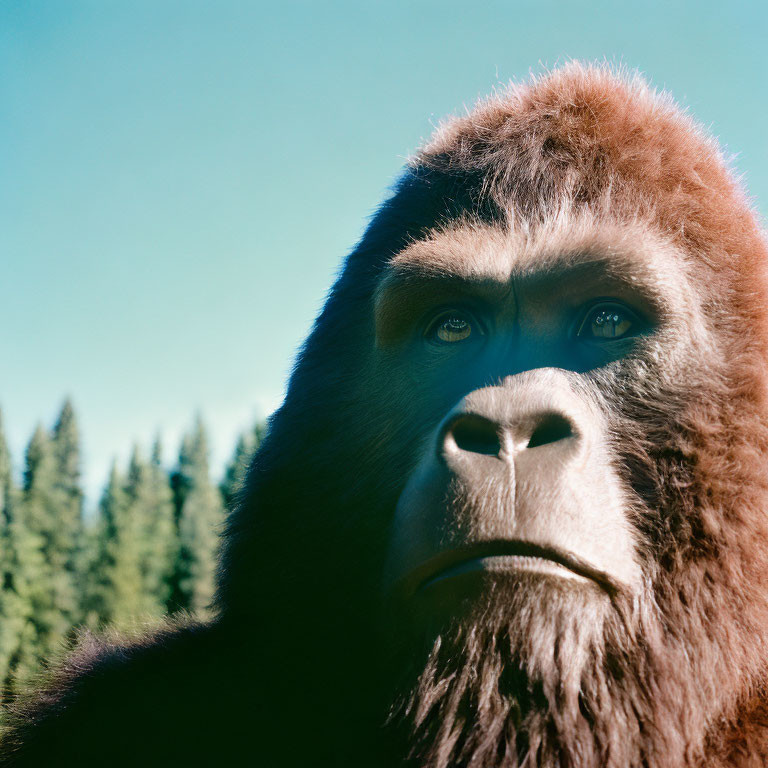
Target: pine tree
[(116, 595), (7, 487), (10, 629), (19, 554), (48, 530), (237, 469), (199, 514), (91, 585), (69, 519), (51, 591), (151, 506), (66, 445)]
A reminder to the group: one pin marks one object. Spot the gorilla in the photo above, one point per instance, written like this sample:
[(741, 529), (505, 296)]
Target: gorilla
[(514, 508)]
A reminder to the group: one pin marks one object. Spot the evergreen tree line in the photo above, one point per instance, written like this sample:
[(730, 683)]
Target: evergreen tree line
[(150, 550)]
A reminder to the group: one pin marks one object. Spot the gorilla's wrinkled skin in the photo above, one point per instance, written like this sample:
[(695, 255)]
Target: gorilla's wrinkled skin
[(514, 509)]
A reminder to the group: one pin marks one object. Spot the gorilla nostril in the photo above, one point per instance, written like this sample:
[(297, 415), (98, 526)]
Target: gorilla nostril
[(476, 435), (551, 428)]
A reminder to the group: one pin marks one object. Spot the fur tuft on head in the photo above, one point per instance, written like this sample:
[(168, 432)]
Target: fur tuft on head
[(586, 135)]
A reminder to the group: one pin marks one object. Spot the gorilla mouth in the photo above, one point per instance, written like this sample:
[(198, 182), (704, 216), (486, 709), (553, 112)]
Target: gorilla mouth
[(507, 557)]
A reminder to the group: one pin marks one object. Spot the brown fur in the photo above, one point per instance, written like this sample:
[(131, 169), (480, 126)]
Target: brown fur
[(678, 677)]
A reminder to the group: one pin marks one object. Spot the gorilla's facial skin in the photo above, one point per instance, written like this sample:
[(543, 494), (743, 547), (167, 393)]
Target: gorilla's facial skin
[(516, 554), (522, 457), (531, 427)]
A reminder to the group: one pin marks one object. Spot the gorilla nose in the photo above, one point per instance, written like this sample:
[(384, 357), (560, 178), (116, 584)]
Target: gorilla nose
[(550, 428), (472, 433), (504, 422)]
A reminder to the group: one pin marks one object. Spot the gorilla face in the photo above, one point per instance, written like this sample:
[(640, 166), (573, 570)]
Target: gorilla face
[(528, 352), (517, 539), (520, 475)]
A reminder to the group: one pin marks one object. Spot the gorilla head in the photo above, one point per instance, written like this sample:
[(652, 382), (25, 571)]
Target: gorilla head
[(515, 500), (514, 508)]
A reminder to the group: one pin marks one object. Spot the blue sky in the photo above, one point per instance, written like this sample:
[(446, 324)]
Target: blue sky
[(179, 180)]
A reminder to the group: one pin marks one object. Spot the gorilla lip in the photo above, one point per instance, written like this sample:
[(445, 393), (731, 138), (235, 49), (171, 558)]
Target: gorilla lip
[(507, 557)]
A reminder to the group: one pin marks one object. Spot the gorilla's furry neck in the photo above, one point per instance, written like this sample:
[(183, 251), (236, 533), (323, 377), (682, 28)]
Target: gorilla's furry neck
[(511, 686), (589, 684)]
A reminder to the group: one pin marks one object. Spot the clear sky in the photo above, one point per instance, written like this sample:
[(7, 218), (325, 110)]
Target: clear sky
[(179, 180)]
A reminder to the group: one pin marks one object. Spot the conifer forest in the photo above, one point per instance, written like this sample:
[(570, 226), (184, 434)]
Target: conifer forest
[(148, 551)]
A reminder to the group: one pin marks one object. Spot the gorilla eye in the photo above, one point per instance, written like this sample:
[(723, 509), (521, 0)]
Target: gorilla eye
[(608, 322), (450, 327)]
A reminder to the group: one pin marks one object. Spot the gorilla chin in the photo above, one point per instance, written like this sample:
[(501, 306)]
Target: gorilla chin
[(513, 665), (512, 635)]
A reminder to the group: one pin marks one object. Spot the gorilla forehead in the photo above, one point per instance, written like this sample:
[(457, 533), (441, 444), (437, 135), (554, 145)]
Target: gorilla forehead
[(565, 246), (472, 248), (583, 136)]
